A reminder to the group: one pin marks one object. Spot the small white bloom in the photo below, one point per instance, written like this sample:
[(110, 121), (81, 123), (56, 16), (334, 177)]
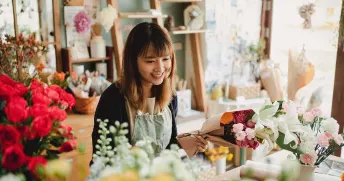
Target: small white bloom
[(330, 125), (338, 139), (10, 177), (250, 133), (238, 127), (240, 135)]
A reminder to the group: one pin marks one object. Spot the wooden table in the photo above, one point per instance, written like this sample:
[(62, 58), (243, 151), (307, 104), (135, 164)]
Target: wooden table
[(275, 158)]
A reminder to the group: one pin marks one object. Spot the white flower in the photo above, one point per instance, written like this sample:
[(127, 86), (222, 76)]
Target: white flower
[(238, 127), (330, 125), (250, 133), (106, 17), (10, 177), (338, 139), (240, 135)]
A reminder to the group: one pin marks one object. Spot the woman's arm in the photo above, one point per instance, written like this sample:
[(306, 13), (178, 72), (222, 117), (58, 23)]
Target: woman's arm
[(174, 109)]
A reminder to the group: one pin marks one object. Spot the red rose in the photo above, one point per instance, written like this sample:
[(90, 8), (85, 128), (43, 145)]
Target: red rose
[(56, 88), (35, 84), (24, 131), (7, 80), (241, 144), (38, 110), (242, 116), (252, 144), (6, 91), (52, 94), (38, 90), (65, 130), (8, 136), (35, 163), (16, 110), (68, 146), (13, 157), (63, 104), (39, 98), (68, 98), (21, 89), (57, 114), (41, 126)]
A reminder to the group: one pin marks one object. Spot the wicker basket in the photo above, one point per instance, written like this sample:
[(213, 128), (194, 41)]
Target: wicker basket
[(86, 105), (249, 92)]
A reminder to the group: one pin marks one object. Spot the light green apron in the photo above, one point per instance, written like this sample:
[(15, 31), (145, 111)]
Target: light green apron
[(157, 127)]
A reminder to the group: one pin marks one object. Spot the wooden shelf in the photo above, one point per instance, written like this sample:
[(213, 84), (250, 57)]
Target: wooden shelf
[(139, 15), (179, 32), (181, 1), (90, 60)]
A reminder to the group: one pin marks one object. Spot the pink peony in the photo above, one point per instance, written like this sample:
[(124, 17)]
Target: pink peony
[(82, 22), (308, 117), (250, 133), (309, 159), (338, 139), (328, 135), (238, 127), (241, 135), (323, 141)]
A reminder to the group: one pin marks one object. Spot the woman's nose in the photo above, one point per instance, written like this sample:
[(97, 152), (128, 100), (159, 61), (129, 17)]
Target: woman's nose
[(159, 66)]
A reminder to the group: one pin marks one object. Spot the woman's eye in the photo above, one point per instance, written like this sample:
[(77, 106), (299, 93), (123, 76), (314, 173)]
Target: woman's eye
[(149, 61), (166, 59)]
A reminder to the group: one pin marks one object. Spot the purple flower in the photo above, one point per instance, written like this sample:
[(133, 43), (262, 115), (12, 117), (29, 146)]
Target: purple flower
[(82, 22)]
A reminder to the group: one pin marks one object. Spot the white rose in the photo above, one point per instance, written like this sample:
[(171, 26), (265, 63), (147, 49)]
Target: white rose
[(330, 125)]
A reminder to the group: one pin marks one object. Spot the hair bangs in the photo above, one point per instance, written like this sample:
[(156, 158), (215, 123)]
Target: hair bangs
[(161, 46)]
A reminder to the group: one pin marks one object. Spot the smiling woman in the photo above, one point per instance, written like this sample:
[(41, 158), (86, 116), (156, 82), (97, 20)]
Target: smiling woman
[(144, 97)]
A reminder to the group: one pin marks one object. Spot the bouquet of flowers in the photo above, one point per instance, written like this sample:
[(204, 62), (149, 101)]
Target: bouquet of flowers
[(126, 162), (31, 126), (16, 55), (309, 135)]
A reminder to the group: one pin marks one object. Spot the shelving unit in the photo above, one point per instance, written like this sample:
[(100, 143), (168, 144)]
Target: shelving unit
[(117, 41), (68, 61)]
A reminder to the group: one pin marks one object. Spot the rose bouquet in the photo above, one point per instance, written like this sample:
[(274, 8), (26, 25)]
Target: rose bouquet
[(136, 163), (31, 126)]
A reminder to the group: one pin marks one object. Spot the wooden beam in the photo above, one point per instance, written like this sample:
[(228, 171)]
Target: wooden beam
[(266, 25), (15, 19), (338, 89), (57, 34), (199, 71), (155, 4), (117, 40)]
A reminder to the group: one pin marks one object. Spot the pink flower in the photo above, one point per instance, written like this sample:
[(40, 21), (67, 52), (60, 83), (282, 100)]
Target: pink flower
[(250, 124), (82, 22), (338, 139), (250, 133), (323, 141), (308, 117), (328, 135), (238, 127), (308, 159), (285, 106), (240, 136), (253, 144), (316, 112)]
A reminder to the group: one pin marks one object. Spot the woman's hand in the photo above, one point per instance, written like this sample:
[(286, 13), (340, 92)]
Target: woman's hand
[(192, 143), (201, 143)]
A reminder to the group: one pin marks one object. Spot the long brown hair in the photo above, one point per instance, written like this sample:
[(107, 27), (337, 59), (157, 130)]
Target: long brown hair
[(139, 39)]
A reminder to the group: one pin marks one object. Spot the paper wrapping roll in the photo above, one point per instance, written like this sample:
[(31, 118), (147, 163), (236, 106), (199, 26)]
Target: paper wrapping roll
[(271, 79), (300, 73)]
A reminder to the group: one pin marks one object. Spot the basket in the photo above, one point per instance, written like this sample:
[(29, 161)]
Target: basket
[(86, 105), (249, 92)]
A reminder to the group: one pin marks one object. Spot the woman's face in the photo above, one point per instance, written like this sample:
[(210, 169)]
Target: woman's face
[(153, 69)]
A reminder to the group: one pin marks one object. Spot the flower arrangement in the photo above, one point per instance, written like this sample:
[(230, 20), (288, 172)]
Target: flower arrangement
[(106, 17), (31, 126), (239, 125), (82, 22), (127, 162), (16, 55)]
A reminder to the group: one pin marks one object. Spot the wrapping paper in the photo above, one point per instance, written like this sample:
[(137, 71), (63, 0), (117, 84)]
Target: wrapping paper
[(271, 80)]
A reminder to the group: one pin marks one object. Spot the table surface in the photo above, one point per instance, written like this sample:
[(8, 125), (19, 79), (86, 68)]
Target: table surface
[(275, 158)]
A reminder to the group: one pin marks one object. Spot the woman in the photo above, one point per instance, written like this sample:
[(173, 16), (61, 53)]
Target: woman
[(144, 97)]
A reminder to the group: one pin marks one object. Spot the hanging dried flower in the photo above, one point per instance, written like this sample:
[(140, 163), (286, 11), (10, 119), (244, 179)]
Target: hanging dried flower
[(106, 17), (306, 11), (82, 22)]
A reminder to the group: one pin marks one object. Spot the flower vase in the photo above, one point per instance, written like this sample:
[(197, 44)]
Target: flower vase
[(97, 45), (220, 165), (306, 173)]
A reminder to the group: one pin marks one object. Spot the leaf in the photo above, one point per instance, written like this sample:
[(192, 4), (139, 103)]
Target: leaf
[(289, 146), (57, 141), (2, 105), (52, 154)]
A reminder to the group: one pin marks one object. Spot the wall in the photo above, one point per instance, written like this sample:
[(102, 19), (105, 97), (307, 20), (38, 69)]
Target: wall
[(174, 9)]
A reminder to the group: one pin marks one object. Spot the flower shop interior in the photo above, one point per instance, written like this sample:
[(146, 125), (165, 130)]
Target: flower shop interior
[(259, 80)]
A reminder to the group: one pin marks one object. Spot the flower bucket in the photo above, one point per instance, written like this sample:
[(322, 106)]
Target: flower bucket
[(306, 173), (86, 105)]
